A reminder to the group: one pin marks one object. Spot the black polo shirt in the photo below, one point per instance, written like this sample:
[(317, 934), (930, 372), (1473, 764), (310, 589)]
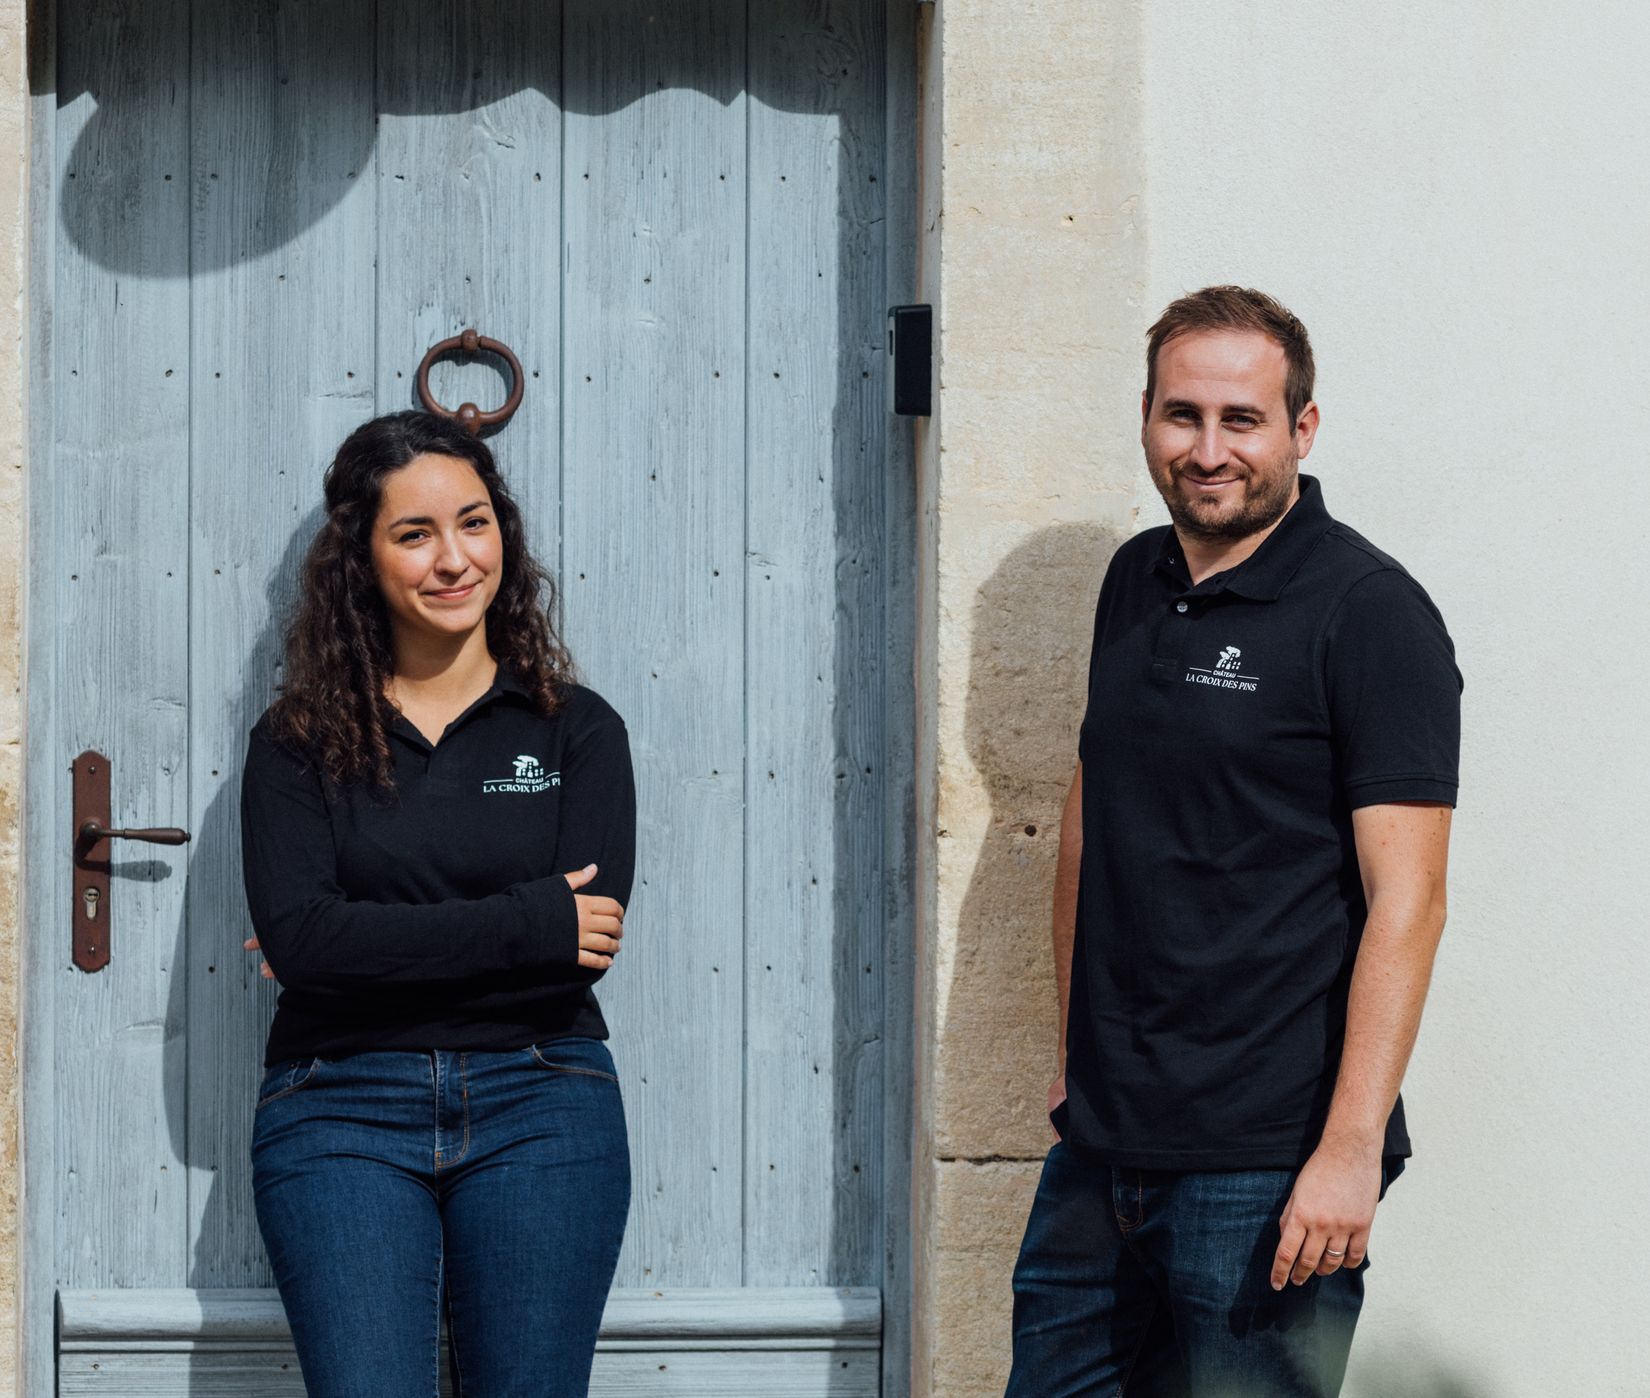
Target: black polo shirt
[(1232, 729), (441, 919)]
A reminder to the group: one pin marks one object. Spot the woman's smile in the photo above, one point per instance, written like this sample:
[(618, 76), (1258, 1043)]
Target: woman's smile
[(453, 594)]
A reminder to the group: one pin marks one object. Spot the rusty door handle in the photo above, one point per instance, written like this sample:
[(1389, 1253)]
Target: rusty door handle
[(89, 908), (468, 416), (91, 831)]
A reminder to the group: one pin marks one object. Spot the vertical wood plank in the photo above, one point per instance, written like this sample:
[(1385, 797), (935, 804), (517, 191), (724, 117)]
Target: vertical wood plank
[(43, 894), (900, 233), (469, 197), (813, 895), (282, 335), (653, 540), (119, 578)]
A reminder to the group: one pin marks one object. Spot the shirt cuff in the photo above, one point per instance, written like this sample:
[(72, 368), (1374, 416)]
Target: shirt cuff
[(554, 919)]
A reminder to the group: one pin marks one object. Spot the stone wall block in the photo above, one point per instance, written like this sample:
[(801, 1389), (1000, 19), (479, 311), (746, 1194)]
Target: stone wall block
[(1030, 633), (980, 1213)]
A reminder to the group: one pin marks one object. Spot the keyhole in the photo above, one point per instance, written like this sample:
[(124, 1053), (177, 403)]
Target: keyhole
[(90, 896)]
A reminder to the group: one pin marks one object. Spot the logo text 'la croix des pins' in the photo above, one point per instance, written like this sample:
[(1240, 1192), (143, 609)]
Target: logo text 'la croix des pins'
[(1227, 673), (530, 776)]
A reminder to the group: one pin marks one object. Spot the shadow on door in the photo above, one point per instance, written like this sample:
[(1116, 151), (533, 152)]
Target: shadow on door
[(315, 87)]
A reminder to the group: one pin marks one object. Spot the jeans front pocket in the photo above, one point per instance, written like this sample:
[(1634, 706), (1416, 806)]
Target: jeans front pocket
[(588, 1057), (282, 1079)]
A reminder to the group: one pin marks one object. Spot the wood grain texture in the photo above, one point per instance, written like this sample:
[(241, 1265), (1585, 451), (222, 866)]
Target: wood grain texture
[(899, 793), (703, 1343), (644, 1374), (249, 1316), (653, 541), (118, 589), (282, 355), (44, 896), (469, 220), (814, 633), (704, 451)]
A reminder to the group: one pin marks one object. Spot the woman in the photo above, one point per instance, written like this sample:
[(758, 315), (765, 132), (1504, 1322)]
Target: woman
[(438, 831)]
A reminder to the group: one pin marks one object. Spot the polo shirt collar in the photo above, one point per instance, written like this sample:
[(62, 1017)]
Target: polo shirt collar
[(505, 681), (1263, 575)]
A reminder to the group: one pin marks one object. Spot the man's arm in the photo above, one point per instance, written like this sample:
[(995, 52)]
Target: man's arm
[(1066, 868), (1403, 851)]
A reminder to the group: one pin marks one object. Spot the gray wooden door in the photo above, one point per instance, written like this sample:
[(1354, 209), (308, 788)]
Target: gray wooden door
[(687, 218)]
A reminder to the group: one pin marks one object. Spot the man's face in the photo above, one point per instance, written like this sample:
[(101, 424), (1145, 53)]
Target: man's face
[(1220, 444)]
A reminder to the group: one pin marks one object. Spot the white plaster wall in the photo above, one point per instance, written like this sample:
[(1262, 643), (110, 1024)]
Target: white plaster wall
[(1456, 200)]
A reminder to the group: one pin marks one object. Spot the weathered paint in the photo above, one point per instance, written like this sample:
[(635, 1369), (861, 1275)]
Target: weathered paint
[(721, 397), (652, 553), (14, 362), (259, 77), (748, 1342), (114, 587), (814, 933)]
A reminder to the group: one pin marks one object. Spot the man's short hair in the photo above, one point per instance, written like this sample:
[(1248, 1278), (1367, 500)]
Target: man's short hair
[(1238, 308)]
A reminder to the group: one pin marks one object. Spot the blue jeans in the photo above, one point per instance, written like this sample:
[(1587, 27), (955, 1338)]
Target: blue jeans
[(392, 1188), (1154, 1283)]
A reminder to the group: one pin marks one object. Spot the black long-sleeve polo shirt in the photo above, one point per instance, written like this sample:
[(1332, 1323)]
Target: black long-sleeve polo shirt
[(441, 919)]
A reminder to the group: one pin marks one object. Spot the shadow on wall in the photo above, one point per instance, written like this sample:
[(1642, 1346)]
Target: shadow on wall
[(272, 67), (1032, 627), (1416, 1371)]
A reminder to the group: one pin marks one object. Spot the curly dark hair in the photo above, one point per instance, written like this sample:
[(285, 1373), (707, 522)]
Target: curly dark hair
[(332, 704)]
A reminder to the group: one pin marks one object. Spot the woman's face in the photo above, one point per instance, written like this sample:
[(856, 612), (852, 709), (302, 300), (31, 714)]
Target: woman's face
[(436, 547)]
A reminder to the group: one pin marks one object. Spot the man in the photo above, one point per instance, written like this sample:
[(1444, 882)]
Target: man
[(1249, 896)]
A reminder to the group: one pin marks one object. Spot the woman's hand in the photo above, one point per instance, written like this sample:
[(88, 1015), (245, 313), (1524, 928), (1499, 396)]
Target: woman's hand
[(251, 944), (601, 922)]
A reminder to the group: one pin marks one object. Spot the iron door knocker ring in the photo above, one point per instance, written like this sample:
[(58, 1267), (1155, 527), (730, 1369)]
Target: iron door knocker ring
[(468, 416)]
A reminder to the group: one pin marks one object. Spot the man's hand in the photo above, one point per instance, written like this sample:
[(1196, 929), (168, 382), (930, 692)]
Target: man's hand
[(1326, 1222), (1056, 1095)]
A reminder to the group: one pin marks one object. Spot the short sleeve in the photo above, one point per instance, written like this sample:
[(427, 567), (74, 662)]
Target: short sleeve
[(1393, 693)]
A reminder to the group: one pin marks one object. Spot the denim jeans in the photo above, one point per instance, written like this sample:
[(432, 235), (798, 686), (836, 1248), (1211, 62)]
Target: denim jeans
[(394, 1188), (1153, 1283)]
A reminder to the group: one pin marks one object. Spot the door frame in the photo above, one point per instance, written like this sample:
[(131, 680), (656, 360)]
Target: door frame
[(45, 785)]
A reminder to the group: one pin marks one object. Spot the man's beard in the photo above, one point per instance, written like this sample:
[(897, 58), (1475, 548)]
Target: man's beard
[(1259, 511)]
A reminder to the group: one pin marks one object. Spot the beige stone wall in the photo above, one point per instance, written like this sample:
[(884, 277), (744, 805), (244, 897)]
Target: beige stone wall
[(13, 188), (1033, 254)]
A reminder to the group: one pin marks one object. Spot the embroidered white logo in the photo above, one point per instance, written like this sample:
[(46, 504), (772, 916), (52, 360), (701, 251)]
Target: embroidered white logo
[(530, 776), (1227, 674)]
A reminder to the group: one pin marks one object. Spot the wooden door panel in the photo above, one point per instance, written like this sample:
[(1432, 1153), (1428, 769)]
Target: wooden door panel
[(652, 571), (281, 369), (118, 571), (749, 1342), (815, 646), (268, 212), (469, 220)]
